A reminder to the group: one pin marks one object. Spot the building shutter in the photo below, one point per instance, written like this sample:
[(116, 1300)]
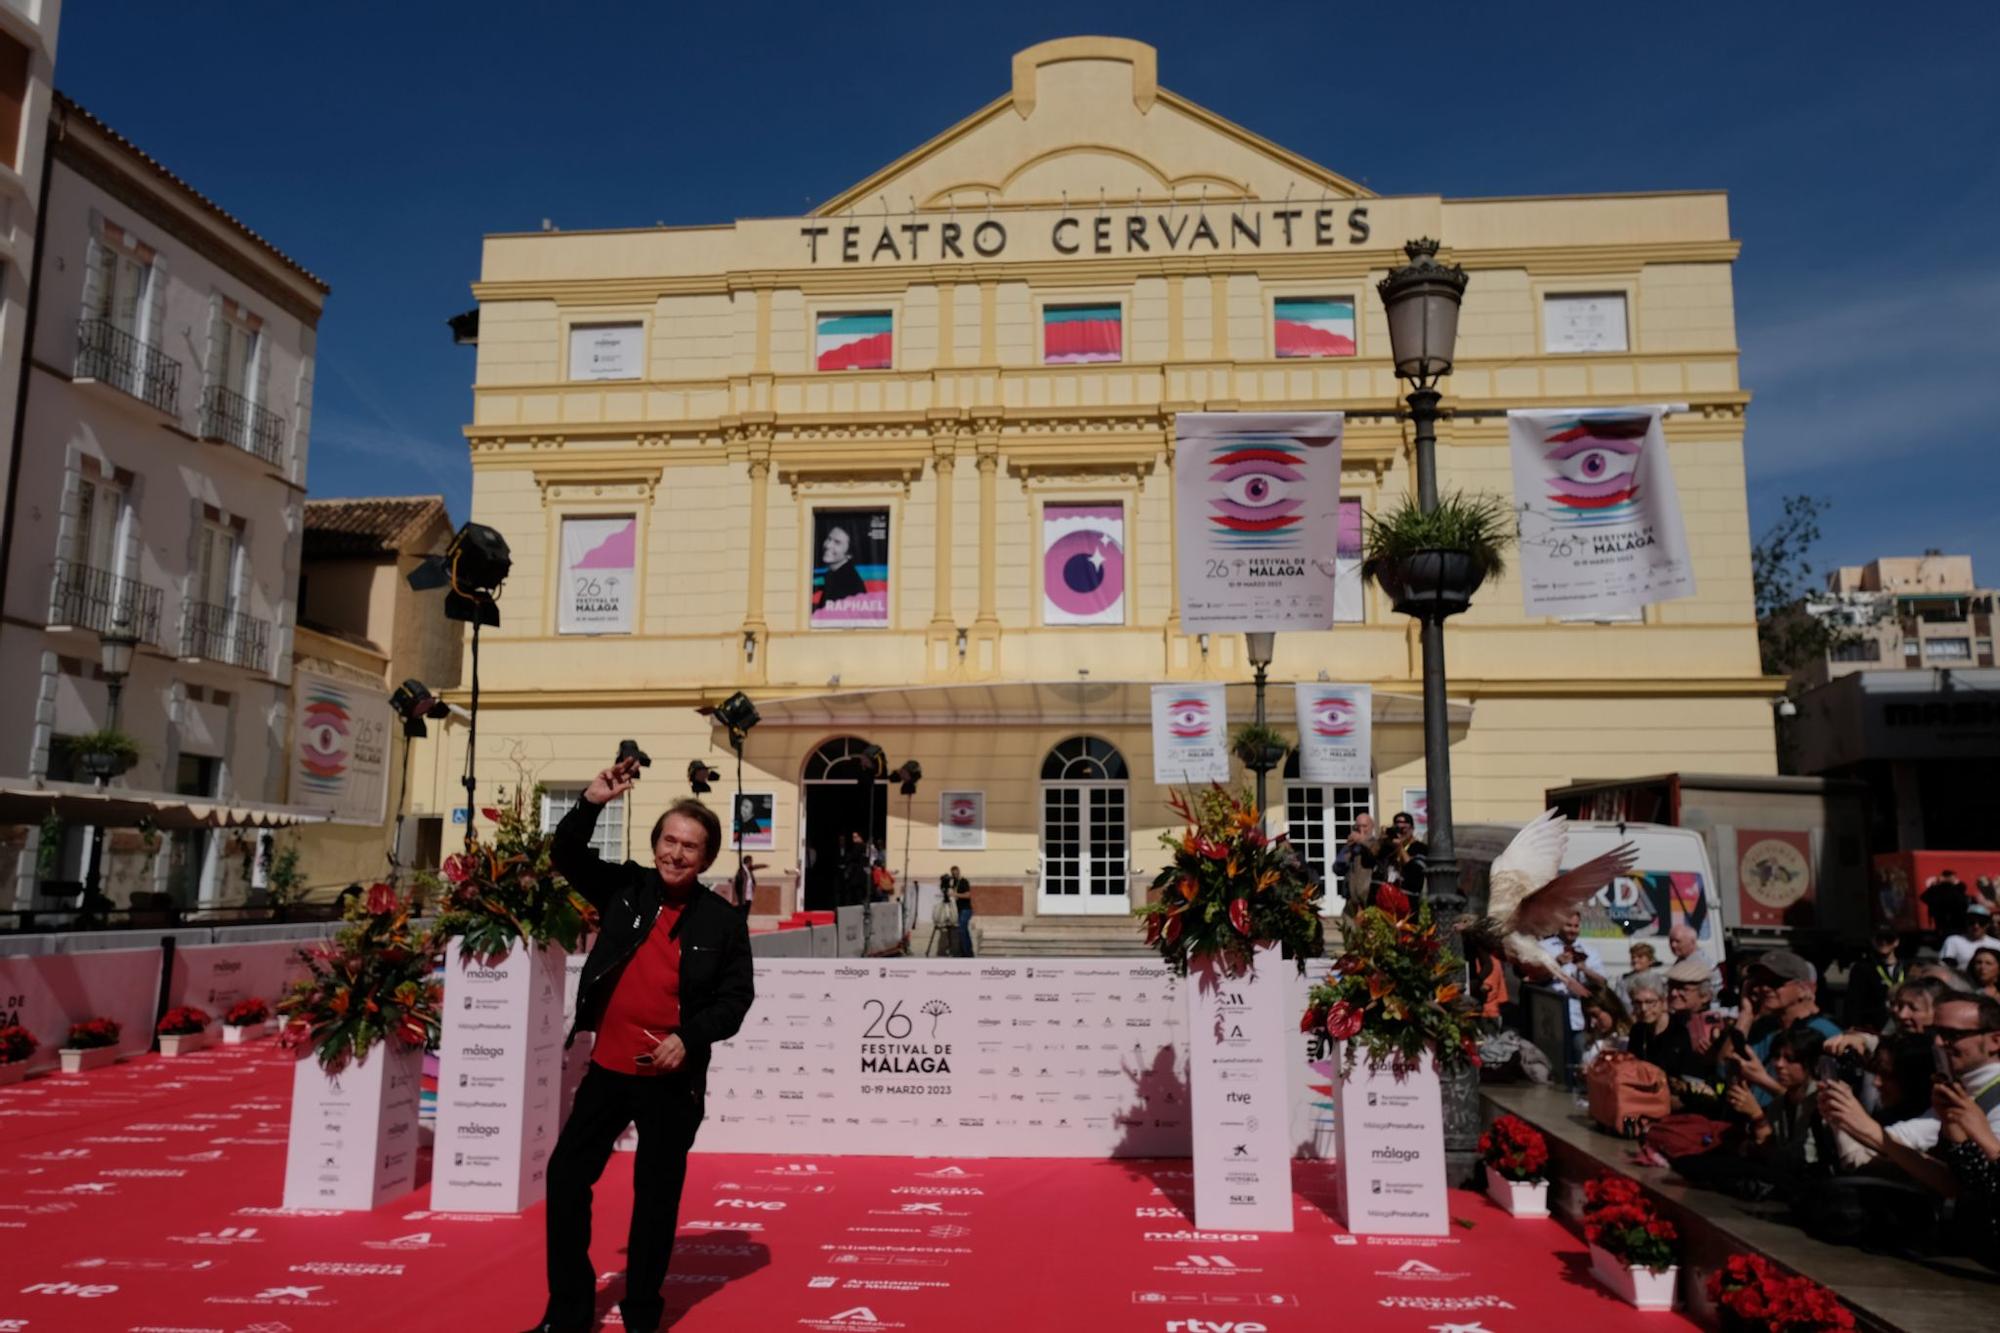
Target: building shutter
[(100, 266), (155, 329)]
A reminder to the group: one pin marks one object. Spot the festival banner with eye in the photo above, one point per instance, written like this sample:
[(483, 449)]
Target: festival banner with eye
[(961, 821), (1335, 732), (1600, 520), (1257, 529), (1083, 564), (341, 749), (1190, 734)]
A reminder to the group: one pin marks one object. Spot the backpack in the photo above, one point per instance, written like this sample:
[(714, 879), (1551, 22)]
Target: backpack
[(1687, 1135), (1626, 1093)]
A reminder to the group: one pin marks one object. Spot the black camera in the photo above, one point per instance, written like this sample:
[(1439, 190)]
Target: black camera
[(631, 750)]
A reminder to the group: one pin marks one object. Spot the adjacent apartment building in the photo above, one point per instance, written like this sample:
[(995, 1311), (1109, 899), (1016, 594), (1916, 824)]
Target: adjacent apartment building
[(27, 86), (159, 496), (853, 462), (1905, 611)]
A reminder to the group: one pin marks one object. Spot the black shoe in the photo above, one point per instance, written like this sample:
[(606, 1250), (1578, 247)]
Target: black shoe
[(550, 1326)]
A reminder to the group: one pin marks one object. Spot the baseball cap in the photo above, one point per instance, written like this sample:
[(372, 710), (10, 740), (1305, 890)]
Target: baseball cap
[(1785, 966), (1689, 971), (1978, 909)]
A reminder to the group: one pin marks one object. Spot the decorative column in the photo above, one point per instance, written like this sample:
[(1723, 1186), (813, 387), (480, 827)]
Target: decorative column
[(941, 638), (754, 646), (983, 656)]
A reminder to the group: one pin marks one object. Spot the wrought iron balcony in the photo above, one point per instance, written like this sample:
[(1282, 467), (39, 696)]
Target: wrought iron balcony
[(233, 419), (83, 597), (221, 634), (109, 354)]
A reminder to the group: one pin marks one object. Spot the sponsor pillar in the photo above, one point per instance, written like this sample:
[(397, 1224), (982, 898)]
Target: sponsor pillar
[(1389, 1134), (1238, 1075), (500, 1080), (353, 1139)]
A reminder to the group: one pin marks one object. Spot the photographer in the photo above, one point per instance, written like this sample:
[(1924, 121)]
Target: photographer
[(669, 976), (1401, 858), (1354, 863)]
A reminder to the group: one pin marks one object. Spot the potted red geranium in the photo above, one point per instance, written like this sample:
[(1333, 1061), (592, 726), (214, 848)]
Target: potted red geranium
[(1517, 1166), (1753, 1295), (1631, 1245), (246, 1020), (92, 1044), (16, 1045), (182, 1030)]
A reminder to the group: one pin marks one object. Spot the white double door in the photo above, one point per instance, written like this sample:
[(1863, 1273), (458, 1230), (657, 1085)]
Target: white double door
[(1086, 849)]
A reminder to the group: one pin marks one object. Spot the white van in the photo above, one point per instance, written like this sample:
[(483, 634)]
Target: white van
[(1673, 883)]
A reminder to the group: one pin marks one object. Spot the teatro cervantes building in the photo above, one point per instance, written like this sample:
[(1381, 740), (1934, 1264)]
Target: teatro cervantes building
[(926, 386)]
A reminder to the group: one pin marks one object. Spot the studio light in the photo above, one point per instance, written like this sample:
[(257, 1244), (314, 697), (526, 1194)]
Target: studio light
[(700, 775), (908, 776), (737, 714), (870, 764), (472, 569), (413, 702)]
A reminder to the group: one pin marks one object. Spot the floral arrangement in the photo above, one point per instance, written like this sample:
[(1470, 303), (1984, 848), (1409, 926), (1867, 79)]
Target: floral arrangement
[(371, 983), (1230, 887), (183, 1022), (1755, 1296), (1396, 991), (1514, 1149), (247, 1013), (1618, 1218), (92, 1033), (506, 891), (16, 1043)]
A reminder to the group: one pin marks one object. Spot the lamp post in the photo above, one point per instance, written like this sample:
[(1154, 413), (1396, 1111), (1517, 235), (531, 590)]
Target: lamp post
[(114, 659), (1258, 645), (1422, 300)]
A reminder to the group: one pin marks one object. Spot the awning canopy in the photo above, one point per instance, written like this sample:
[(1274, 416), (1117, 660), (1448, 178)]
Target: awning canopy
[(23, 801), (1058, 703)]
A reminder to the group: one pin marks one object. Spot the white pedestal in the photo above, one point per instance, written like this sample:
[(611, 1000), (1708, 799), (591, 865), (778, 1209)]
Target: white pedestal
[(83, 1059), (1239, 1087), (1389, 1168), (237, 1034), (182, 1043), (353, 1141), (500, 1080)]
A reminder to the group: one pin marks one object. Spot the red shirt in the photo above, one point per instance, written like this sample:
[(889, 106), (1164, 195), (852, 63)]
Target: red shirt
[(647, 997)]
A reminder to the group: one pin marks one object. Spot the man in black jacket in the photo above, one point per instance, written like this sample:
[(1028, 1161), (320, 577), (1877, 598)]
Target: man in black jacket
[(669, 976)]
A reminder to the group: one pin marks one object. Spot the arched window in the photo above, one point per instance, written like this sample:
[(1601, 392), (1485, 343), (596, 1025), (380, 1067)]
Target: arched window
[(1086, 834), (842, 759), (1318, 817)]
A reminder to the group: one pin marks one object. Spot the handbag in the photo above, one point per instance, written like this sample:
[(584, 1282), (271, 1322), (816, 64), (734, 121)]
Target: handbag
[(1626, 1093)]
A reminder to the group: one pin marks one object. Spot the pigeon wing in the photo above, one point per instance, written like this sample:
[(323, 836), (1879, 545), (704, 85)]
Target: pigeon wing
[(1529, 862), (1543, 910)]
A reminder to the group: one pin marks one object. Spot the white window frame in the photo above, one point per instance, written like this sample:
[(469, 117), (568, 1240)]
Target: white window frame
[(89, 523), (1333, 807), (608, 838), (203, 570)]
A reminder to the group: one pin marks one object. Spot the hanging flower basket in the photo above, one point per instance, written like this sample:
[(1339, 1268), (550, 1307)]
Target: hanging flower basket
[(1431, 585), (1431, 563)]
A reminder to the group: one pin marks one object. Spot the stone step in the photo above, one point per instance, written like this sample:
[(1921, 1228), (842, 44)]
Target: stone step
[(1045, 937)]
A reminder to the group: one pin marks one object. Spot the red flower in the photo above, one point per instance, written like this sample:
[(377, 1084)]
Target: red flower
[(489, 814), (1239, 916), (1343, 1020), (1211, 849), (456, 869), (381, 900), (1171, 932), (1392, 900), (1313, 1018)]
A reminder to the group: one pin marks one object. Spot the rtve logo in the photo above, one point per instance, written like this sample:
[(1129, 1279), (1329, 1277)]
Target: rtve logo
[(88, 1291), (757, 1205), (1215, 1326)]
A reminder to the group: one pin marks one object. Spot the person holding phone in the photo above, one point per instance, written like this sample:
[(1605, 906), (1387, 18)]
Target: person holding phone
[(669, 976)]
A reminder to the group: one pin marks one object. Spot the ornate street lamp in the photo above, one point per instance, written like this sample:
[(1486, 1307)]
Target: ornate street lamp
[(1422, 300), (114, 658), (1258, 646)]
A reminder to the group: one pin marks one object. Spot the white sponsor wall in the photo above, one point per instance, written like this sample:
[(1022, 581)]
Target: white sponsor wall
[(968, 1059), (216, 976), (46, 994)]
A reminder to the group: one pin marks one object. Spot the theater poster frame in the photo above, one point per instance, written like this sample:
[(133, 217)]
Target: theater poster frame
[(967, 834), (870, 558)]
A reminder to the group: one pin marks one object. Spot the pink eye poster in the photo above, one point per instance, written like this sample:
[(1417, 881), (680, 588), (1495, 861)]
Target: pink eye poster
[(1257, 519)]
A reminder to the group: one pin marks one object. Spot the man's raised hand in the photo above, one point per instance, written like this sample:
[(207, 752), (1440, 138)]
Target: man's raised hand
[(613, 782)]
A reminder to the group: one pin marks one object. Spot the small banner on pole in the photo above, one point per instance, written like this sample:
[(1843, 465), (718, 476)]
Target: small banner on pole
[(1257, 519), (1601, 528), (1190, 734), (1335, 724)]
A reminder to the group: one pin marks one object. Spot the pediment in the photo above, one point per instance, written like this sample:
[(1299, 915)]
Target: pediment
[(1086, 123)]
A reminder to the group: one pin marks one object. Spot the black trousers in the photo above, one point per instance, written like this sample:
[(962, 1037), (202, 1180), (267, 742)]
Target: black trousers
[(667, 1109)]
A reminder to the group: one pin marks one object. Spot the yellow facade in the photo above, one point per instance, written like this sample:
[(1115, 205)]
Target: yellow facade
[(725, 438)]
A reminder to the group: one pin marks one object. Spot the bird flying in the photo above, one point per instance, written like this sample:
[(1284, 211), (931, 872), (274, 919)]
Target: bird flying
[(1529, 893)]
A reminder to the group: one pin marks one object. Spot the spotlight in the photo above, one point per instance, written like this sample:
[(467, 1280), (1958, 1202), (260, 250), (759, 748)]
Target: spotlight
[(871, 764), (737, 713), (700, 775), (909, 775), (631, 750), (472, 567), (413, 702)]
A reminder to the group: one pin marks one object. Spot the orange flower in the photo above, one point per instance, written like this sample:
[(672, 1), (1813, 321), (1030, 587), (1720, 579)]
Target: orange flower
[(1379, 985), (1189, 888), (1234, 869), (1266, 880), (1447, 993)]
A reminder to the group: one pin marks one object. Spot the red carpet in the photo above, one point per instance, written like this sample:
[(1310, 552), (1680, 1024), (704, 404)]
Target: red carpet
[(142, 1199)]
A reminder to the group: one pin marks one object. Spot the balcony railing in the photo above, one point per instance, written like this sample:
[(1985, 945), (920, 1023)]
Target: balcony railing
[(220, 634), (108, 353), (82, 597), (233, 419)]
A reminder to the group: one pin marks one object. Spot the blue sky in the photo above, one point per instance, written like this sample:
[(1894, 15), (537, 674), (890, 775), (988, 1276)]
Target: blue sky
[(1860, 146)]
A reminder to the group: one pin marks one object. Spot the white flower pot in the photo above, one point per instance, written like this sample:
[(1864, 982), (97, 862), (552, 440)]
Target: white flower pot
[(182, 1043), (12, 1072), (233, 1035), (1640, 1288), (1521, 1198), (80, 1060)]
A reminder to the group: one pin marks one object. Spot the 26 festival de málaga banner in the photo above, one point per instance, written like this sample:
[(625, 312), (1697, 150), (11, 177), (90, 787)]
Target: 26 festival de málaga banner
[(1190, 734), (850, 579), (340, 749), (599, 575), (1335, 725), (1601, 529), (1257, 519)]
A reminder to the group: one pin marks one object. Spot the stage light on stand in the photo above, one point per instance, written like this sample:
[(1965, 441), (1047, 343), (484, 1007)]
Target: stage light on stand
[(700, 776), (413, 702), (472, 568), (907, 776)]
